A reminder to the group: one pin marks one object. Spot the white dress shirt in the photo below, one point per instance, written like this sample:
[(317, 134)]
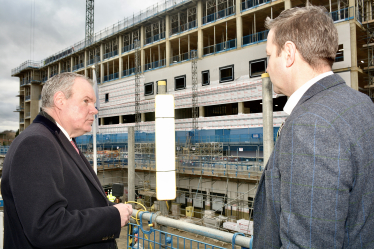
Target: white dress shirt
[(65, 132), (296, 96)]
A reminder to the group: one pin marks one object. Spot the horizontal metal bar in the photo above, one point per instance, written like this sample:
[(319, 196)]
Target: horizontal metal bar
[(192, 228)]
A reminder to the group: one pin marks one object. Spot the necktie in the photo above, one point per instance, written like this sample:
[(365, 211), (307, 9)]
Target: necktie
[(75, 147), (280, 128)]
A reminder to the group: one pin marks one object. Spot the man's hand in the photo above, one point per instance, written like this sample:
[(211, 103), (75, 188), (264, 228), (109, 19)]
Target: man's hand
[(125, 210)]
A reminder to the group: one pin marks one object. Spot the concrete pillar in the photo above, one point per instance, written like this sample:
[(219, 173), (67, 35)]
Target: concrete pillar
[(142, 117), (101, 73), (240, 107), (142, 52), (167, 44), (167, 26), (168, 49), (131, 164), (71, 64), (101, 52), (200, 39), (201, 111), (101, 121), (267, 116), (239, 24), (287, 4), (354, 68), (49, 72), (120, 60), (59, 67), (85, 57), (120, 119)]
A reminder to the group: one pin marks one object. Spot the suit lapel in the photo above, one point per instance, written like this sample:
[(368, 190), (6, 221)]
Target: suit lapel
[(320, 86), (86, 170), (79, 159)]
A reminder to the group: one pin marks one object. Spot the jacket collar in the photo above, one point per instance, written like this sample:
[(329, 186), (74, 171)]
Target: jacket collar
[(320, 86)]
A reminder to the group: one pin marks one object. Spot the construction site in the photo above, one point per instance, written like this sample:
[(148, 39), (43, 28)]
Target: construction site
[(211, 53)]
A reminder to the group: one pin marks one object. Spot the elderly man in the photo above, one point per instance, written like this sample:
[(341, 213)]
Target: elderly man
[(317, 190), (52, 197)]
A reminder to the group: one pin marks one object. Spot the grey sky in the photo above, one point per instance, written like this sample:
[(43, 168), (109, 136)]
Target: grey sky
[(58, 25)]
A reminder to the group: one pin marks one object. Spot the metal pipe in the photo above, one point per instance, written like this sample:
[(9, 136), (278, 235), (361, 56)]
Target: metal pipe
[(131, 164), (267, 115), (192, 228)]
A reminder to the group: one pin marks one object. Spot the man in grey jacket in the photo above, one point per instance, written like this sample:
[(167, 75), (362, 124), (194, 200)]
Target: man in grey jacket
[(52, 196), (317, 190)]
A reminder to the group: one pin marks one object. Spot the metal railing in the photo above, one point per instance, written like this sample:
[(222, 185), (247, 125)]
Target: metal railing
[(167, 240), (155, 65), (154, 38), (4, 150), (19, 108), (255, 38), (220, 47), (27, 115), (249, 4), (53, 74), (183, 28), (128, 72), (157, 8), (181, 57), (218, 15), (92, 61), (128, 48), (46, 78), (110, 54), (21, 120), (78, 66), (343, 14), (26, 64), (27, 97), (111, 77)]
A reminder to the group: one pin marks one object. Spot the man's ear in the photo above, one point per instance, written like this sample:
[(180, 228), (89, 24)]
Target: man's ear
[(59, 100), (290, 52)]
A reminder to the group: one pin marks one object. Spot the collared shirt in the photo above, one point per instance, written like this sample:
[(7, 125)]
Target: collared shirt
[(65, 132), (296, 96)]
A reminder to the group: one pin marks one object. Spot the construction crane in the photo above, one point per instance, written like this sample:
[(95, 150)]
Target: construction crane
[(89, 22)]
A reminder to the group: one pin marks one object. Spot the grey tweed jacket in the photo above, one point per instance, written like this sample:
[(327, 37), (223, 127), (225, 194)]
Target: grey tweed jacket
[(317, 190)]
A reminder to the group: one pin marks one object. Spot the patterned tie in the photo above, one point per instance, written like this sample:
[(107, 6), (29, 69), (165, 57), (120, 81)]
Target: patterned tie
[(75, 147), (280, 128)]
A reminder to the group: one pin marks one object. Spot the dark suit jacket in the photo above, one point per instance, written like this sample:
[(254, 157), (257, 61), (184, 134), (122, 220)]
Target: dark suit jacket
[(52, 197), (317, 190)]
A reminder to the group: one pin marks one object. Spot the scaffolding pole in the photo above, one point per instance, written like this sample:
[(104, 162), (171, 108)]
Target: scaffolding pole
[(138, 72)]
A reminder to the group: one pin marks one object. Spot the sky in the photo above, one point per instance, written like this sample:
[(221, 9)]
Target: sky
[(36, 29)]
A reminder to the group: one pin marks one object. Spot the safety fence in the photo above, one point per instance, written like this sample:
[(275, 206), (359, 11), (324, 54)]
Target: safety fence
[(4, 150), (219, 15), (141, 237)]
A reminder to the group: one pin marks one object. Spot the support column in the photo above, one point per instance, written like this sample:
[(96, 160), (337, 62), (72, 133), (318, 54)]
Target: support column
[(101, 121), (85, 62), (49, 72), (142, 52), (71, 65), (131, 165), (167, 44), (142, 117), (239, 25), (200, 39), (267, 116), (59, 67), (120, 61), (101, 52), (354, 68), (240, 107), (101, 73), (287, 4), (120, 119), (201, 111)]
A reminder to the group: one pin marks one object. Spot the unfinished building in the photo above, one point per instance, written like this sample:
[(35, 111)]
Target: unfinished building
[(219, 117)]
